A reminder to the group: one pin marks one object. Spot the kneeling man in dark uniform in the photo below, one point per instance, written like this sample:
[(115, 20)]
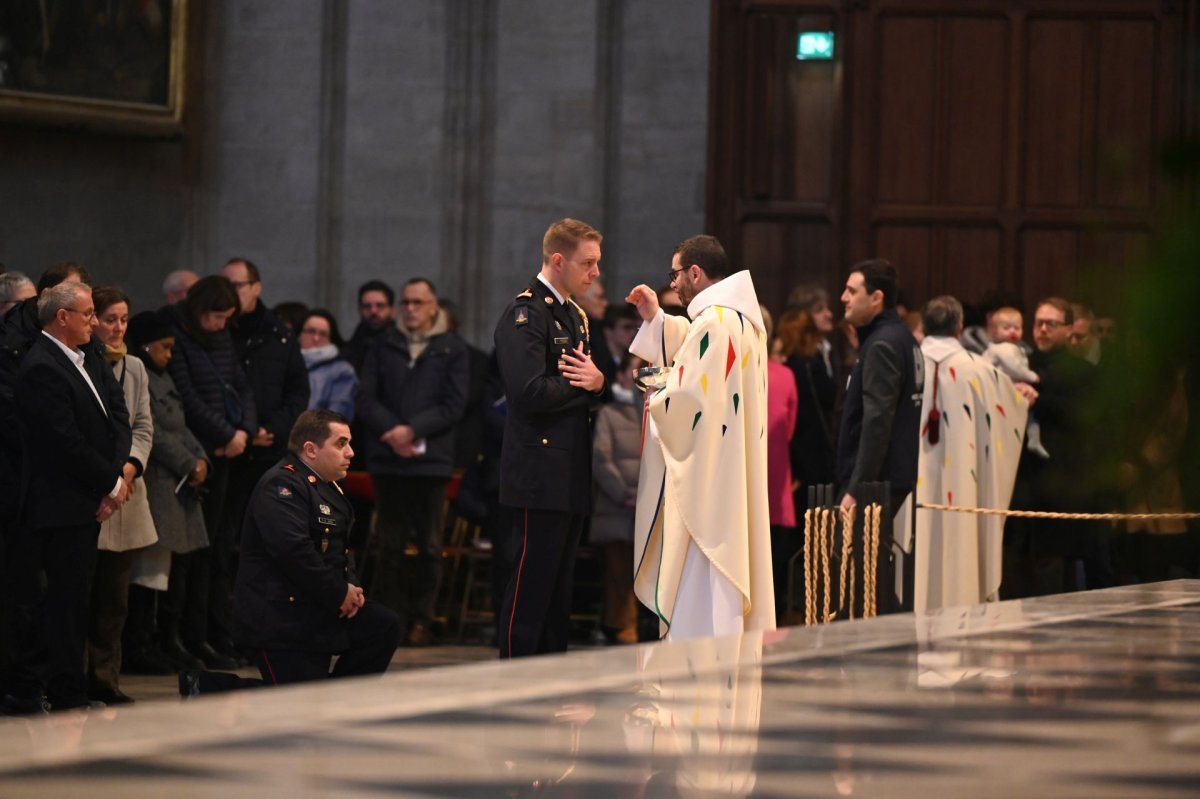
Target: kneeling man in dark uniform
[(296, 601)]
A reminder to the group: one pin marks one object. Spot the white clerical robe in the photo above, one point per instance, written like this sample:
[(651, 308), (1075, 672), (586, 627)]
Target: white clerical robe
[(702, 551), (971, 461)]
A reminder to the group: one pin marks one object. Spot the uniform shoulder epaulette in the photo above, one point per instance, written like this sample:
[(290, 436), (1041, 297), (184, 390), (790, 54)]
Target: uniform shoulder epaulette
[(525, 295)]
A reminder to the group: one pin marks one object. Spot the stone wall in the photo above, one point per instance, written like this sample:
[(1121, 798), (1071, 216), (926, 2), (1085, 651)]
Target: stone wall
[(334, 141)]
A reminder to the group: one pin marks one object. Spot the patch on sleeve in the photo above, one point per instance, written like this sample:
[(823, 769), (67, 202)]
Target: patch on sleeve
[(521, 316), (284, 491)]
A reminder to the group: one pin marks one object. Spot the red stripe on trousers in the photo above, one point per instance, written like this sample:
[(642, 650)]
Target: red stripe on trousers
[(517, 588)]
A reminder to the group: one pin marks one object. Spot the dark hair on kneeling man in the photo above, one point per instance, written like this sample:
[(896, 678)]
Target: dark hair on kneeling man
[(313, 426)]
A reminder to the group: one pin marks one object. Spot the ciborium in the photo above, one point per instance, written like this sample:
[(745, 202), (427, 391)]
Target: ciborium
[(651, 378)]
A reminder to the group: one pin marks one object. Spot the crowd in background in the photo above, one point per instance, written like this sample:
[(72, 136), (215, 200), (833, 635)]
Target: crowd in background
[(214, 380)]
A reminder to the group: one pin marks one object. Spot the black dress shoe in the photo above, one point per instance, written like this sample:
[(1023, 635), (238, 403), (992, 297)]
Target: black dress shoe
[(175, 652), (212, 658), (109, 695), (189, 683)]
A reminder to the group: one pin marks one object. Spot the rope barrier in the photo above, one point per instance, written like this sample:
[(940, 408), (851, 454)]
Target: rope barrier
[(1044, 514), (823, 602)]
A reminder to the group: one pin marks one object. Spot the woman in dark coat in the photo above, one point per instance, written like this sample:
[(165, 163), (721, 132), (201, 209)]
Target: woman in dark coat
[(812, 444), (219, 407), (175, 478)]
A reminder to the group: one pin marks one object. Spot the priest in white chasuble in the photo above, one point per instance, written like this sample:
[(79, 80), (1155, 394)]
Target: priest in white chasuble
[(972, 431), (702, 548)]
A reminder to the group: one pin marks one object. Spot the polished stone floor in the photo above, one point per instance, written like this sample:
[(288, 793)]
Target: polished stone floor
[(1083, 695)]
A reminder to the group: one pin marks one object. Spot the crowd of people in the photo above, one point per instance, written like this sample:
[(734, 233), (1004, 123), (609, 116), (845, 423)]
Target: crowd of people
[(180, 411)]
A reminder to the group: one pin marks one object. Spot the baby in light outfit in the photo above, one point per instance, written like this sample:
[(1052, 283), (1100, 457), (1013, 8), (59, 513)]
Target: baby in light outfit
[(1005, 353)]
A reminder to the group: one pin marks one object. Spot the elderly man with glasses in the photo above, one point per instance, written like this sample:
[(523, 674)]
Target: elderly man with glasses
[(76, 440)]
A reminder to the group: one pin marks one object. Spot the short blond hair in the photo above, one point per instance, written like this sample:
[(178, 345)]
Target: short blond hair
[(564, 236)]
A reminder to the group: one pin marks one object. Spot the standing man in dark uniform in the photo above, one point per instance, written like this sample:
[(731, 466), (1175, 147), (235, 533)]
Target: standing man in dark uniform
[(552, 386), (296, 601)]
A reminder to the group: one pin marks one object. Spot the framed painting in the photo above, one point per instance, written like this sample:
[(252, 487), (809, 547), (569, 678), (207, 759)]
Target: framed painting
[(110, 65)]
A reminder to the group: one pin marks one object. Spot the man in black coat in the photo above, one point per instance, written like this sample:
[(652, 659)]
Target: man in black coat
[(881, 417), (412, 392), (1041, 554), (297, 602), (377, 314), (270, 356), (76, 438), (552, 386)]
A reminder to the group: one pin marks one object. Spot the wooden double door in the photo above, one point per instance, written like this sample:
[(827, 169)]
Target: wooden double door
[(977, 144)]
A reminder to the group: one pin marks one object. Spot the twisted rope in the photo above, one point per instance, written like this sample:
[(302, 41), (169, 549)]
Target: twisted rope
[(1045, 514)]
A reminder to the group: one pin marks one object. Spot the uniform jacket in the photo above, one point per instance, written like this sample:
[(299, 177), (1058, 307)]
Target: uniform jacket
[(205, 370), (294, 565), (132, 526), (177, 516), (882, 414), (270, 356), (428, 394), (74, 449), (546, 458)]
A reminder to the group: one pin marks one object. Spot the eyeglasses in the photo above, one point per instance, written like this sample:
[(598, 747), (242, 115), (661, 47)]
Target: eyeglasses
[(415, 302), (315, 333), (672, 273), (238, 285), (87, 315), (1049, 324)]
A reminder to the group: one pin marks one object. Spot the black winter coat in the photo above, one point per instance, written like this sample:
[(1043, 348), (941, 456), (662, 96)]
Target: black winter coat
[(270, 356), (207, 374), (428, 394), (17, 334), (880, 435)]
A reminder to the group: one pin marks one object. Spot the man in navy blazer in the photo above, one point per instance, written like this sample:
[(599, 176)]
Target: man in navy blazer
[(76, 436)]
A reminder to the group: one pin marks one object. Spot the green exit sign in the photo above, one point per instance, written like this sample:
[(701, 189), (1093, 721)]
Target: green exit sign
[(815, 46)]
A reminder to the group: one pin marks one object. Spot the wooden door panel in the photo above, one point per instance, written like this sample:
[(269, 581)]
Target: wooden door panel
[(1125, 113), (906, 86), (1050, 258), (1054, 112), (910, 248), (975, 112), (782, 254), (978, 145), (971, 264)]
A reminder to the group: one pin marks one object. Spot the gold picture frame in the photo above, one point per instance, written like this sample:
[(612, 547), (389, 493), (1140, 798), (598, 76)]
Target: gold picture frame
[(104, 65)]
